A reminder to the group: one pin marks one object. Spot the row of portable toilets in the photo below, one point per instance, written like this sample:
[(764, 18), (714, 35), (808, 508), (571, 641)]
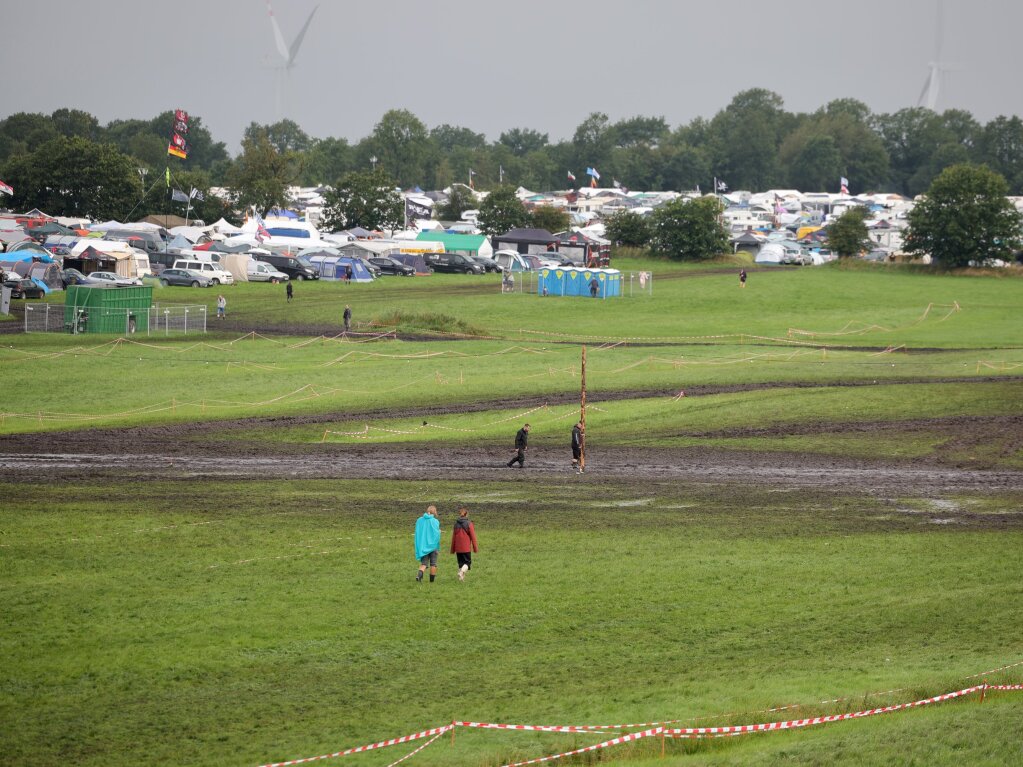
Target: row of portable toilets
[(579, 282)]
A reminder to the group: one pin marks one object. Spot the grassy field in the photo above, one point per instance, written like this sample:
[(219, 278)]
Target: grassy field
[(235, 623)]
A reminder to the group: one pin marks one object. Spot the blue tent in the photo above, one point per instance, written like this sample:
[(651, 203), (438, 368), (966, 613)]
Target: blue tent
[(333, 267), (576, 282)]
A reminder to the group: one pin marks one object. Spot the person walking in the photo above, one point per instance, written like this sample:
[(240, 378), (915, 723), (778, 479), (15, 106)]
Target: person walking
[(427, 543), (742, 278), (594, 287), (221, 307), (521, 441), (347, 317), (348, 274), (463, 542), (290, 290), (578, 438)]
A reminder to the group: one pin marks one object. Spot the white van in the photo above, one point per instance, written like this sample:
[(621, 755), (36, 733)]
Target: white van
[(511, 261), (214, 271), (259, 271)]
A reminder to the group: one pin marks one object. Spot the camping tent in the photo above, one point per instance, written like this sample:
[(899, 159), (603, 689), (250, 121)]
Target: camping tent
[(237, 264), (414, 260), (525, 240), (333, 267), (466, 244)]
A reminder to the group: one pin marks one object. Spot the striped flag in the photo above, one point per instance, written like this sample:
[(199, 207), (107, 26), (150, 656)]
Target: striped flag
[(262, 233), (6, 188), (844, 184)]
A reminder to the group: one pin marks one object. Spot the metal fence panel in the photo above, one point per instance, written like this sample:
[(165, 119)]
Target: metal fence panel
[(162, 320)]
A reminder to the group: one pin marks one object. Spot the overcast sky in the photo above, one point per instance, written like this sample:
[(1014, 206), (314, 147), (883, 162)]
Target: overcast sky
[(490, 65)]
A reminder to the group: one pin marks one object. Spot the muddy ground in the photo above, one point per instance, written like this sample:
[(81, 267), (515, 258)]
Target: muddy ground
[(965, 463)]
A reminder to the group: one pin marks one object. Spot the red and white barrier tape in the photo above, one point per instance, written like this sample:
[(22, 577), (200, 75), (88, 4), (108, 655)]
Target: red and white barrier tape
[(681, 732), (687, 732), (606, 744), (560, 728), (370, 747), (994, 670), (416, 751)]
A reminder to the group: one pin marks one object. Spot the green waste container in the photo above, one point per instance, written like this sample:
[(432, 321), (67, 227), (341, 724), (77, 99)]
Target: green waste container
[(96, 309)]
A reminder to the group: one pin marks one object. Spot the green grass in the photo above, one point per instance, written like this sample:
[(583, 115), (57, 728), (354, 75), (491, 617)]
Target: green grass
[(234, 623)]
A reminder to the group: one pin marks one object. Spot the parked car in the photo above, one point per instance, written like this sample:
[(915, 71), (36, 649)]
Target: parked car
[(488, 264), (74, 277), (24, 288), (257, 271), (291, 266), (214, 271), (185, 278), (114, 280), (391, 266), (452, 263)]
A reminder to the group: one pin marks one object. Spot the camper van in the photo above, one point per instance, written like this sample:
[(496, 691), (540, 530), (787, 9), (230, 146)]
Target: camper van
[(218, 275)]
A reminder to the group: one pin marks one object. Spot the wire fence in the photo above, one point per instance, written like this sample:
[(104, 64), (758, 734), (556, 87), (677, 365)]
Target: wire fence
[(156, 321)]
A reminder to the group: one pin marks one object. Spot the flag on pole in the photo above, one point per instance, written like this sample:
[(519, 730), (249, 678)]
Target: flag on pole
[(166, 175), (6, 188), (178, 196), (416, 210), (471, 174), (720, 186), (262, 233), (844, 184), (571, 176), (196, 195)]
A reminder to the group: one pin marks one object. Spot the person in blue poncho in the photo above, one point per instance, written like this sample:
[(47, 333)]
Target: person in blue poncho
[(427, 543)]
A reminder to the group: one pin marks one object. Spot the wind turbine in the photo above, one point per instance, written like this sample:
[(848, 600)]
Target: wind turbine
[(937, 69), (287, 54)]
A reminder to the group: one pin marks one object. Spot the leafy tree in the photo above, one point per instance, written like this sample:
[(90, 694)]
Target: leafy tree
[(848, 235), (813, 159), (522, 141), (1001, 148), (628, 228), (550, 218), (261, 175), (965, 217), (75, 122), (285, 135), (326, 159), (744, 140), (23, 133), (447, 137), (459, 200), (399, 142), (593, 142), (636, 131), (75, 177), (369, 200), (501, 211), (687, 230)]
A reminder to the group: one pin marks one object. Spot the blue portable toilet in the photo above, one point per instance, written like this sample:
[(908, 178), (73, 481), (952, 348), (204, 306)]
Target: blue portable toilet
[(570, 281)]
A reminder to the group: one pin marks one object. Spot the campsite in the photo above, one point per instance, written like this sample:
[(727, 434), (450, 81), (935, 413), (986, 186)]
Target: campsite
[(804, 496)]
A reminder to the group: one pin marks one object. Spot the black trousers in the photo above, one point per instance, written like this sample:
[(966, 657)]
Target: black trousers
[(520, 457)]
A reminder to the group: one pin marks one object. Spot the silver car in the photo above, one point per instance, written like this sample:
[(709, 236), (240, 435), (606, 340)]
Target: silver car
[(114, 280)]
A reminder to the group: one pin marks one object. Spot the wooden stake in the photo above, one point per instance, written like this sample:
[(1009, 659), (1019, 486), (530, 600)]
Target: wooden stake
[(582, 412), (662, 744), (982, 691), (452, 732)]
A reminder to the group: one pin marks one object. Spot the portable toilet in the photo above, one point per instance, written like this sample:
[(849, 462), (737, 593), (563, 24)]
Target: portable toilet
[(99, 309)]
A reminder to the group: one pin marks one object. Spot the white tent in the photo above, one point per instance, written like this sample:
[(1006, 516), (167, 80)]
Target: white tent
[(770, 253)]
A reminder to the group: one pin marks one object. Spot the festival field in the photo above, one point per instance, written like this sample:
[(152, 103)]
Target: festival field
[(802, 498)]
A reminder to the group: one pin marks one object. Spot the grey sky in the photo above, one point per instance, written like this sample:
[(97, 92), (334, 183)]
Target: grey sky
[(490, 66)]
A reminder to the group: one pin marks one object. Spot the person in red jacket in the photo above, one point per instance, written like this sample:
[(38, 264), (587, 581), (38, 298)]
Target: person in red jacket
[(463, 542)]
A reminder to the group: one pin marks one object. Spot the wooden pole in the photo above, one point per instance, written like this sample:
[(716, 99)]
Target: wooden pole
[(582, 413)]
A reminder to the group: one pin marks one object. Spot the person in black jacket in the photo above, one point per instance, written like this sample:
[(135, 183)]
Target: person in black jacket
[(577, 446), (347, 317), (521, 440)]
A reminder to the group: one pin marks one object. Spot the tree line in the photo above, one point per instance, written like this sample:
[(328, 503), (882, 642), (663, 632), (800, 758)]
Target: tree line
[(753, 143)]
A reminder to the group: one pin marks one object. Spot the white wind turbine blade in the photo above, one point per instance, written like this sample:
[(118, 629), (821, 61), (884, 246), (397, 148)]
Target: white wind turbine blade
[(282, 47), (298, 40)]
